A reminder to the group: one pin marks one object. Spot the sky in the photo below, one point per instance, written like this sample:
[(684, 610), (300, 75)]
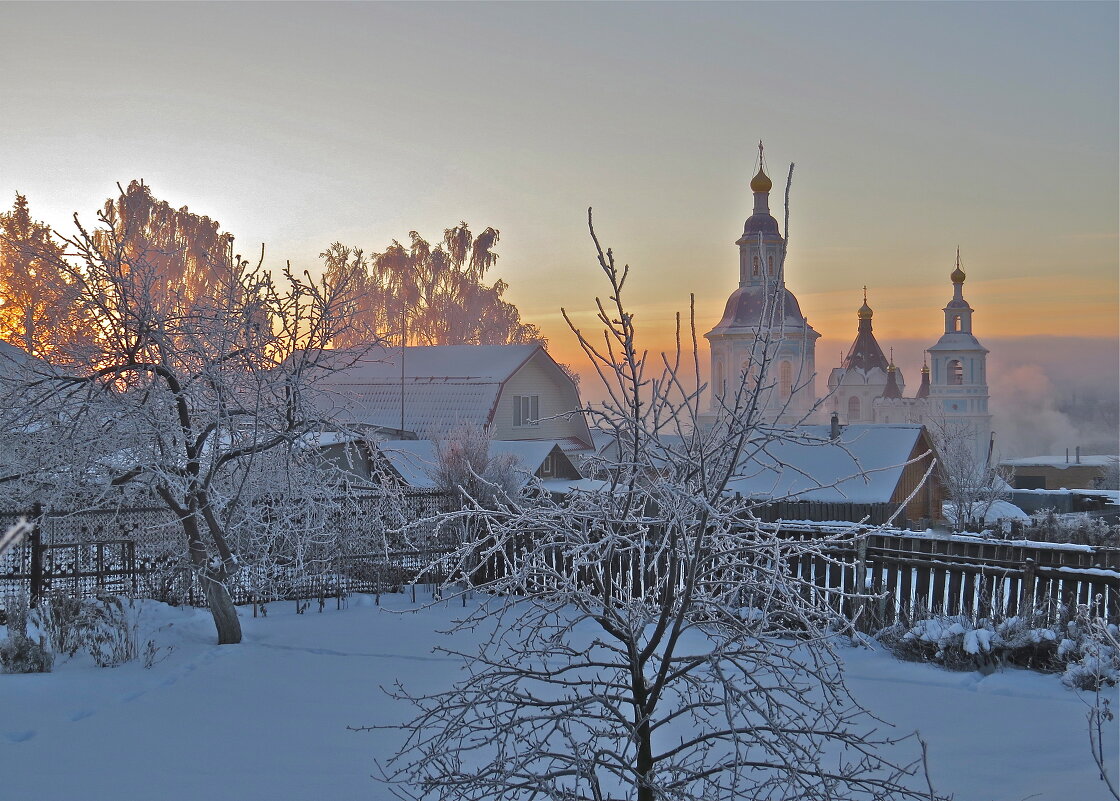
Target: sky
[(915, 128)]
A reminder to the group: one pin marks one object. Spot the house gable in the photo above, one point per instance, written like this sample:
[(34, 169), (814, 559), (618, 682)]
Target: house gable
[(556, 397)]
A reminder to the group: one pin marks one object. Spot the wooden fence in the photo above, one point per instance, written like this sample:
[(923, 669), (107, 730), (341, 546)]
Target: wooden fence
[(966, 576), (911, 574)]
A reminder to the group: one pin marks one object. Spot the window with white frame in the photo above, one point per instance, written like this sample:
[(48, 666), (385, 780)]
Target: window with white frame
[(526, 410)]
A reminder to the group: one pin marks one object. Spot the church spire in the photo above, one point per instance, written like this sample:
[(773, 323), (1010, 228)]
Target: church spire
[(891, 390), (865, 352), (923, 390), (761, 183), (958, 314), (760, 246)]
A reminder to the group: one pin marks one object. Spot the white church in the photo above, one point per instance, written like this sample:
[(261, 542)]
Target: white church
[(764, 331)]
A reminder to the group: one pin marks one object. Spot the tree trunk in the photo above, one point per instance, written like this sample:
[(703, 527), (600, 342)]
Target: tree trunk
[(217, 596), (223, 610)]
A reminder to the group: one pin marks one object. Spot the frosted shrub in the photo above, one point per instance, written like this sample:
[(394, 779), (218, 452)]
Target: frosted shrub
[(59, 618), (1075, 644), (20, 653), (1090, 652), (110, 631), (1027, 641), (1078, 527), (105, 627), (955, 642)]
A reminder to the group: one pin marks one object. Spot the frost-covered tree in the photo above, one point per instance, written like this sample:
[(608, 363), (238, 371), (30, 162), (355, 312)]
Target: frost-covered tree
[(425, 295), (466, 469), (647, 641), (972, 482), (193, 370), (37, 310)]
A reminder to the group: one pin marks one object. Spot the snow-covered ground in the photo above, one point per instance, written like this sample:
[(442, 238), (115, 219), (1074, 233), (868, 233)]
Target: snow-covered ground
[(268, 719)]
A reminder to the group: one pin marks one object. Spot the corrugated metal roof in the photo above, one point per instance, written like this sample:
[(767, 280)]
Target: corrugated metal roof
[(474, 364), (443, 386)]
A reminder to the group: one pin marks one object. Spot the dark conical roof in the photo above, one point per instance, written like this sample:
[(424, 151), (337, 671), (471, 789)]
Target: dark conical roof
[(891, 390), (923, 390), (865, 352)]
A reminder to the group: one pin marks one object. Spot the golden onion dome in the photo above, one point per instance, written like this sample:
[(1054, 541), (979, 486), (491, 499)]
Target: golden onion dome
[(957, 276), (761, 182), (864, 312)]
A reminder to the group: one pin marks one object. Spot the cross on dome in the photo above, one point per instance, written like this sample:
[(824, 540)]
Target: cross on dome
[(761, 182)]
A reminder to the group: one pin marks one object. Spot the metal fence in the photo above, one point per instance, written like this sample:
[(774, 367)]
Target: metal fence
[(141, 552)]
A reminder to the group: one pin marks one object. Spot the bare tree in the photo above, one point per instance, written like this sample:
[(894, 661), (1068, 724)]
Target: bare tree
[(178, 393), (648, 640), (973, 484), (466, 468)]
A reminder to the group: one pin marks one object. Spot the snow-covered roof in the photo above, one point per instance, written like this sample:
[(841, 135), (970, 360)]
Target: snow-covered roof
[(863, 466), (1061, 462), (562, 486), (464, 364), (415, 460), (442, 386), (16, 363), (999, 510)]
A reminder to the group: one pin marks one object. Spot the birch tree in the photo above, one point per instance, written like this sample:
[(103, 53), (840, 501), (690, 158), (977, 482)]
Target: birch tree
[(648, 641), (424, 295)]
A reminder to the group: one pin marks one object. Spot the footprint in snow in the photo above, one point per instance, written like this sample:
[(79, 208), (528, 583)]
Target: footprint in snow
[(20, 736), (81, 714), (133, 696)]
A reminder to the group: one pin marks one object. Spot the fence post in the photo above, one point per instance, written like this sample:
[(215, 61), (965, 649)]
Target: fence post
[(36, 555), (130, 555), (860, 587), (1027, 602)]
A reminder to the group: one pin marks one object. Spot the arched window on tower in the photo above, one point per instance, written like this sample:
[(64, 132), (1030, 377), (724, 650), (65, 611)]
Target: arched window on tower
[(770, 266), (955, 372), (785, 380), (717, 383), (853, 409), (956, 322), (754, 269)]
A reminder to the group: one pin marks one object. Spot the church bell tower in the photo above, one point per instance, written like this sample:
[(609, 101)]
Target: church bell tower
[(958, 380), (763, 344)]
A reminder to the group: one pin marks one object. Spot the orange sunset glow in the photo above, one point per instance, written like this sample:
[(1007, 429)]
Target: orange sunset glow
[(915, 130)]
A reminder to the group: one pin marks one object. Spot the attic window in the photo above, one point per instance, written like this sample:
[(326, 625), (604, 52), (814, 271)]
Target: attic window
[(548, 467), (526, 410)]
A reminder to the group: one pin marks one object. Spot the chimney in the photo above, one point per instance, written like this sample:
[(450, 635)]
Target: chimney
[(1067, 455), (834, 434), (1077, 456)]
